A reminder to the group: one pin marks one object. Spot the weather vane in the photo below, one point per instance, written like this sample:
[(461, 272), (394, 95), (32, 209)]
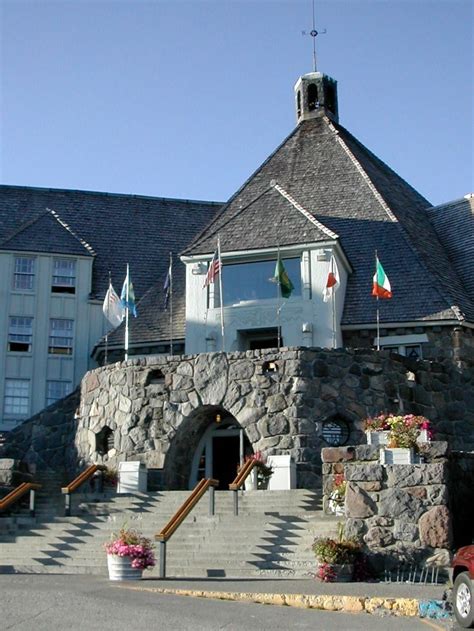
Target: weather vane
[(314, 33)]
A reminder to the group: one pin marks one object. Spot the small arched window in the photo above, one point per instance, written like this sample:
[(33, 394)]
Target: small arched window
[(104, 441), (312, 97), (298, 103)]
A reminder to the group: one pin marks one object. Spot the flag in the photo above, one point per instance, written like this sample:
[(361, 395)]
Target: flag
[(213, 270), (127, 290), (167, 287), (381, 285), (332, 283), (282, 278), (112, 307)]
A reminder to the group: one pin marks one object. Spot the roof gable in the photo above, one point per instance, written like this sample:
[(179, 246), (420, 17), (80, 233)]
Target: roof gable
[(355, 195), (47, 233)]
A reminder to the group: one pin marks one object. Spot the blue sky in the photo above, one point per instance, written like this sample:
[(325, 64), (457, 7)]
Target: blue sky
[(186, 99)]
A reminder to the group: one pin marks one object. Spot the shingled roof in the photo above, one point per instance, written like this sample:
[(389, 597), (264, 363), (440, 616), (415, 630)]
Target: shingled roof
[(358, 197), (116, 229), (454, 225)]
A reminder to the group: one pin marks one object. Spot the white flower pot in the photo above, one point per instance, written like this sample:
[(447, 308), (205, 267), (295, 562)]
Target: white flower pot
[(423, 437), (251, 482), (120, 569), (377, 438), (397, 455)]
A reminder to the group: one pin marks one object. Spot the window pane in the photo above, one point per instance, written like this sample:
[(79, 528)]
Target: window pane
[(64, 275), (23, 277), (20, 334), (56, 390), (60, 337), (17, 397), (252, 281)]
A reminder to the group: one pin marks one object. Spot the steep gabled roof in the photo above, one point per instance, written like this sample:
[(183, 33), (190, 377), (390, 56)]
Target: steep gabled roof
[(358, 197), (47, 233)]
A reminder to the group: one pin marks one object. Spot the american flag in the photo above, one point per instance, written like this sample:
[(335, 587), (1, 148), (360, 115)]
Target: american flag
[(214, 269)]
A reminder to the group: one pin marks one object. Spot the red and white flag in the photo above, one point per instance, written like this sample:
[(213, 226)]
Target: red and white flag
[(332, 282), (213, 270)]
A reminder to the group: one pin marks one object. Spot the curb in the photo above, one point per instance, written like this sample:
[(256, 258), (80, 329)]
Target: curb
[(411, 607)]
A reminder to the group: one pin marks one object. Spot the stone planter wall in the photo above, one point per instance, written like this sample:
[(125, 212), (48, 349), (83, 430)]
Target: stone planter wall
[(399, 512)]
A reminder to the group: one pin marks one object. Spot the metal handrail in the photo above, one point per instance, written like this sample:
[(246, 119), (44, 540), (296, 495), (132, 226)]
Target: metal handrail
[(183, 511), (18, 493), (76, 483), (239, 481)]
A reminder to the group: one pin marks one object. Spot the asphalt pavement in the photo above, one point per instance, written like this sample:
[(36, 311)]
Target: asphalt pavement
[(62, 602)]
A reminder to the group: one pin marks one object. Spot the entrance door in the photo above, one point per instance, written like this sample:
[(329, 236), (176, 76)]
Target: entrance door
[(226, 458)]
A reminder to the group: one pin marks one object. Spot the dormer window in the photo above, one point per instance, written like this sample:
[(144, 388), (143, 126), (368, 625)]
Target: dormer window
[(249, 282), (64, 276)]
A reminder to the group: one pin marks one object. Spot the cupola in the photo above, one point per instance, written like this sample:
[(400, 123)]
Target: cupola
[(315, 95)]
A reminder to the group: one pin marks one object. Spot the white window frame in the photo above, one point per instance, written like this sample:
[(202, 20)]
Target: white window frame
[(401, 342), (16, 400), (51, 396), (61, 339), (24, 268), (64, 276), (20, 332)]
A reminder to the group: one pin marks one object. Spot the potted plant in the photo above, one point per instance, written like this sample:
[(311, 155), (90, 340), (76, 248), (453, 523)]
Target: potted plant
[(128, 554), (404, 432), (260, 475), (377, 429), (337, 496), (335, 557)]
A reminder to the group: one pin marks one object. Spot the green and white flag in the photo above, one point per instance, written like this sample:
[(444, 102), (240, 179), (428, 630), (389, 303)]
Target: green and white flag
[(282, 278)]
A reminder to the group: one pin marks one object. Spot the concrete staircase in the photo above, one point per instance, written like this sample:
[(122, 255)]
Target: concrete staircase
[(271, 536)]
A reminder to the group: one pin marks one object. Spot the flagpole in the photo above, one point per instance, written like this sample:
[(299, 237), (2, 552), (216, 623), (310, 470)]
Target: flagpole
[(378, 312), (220, 291), (171, 303), (107, 333), (126, 316), (333, 303), (278, 299)]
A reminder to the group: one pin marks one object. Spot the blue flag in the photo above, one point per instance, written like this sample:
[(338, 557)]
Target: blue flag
[(127, 297)]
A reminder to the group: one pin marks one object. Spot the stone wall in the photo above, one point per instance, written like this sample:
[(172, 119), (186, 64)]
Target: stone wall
[(157, 408), (399, 512), (12, 473), (444, 342), (41, 442)]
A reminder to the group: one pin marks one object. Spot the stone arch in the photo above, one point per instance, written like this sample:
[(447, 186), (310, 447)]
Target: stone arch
[(188, 438)]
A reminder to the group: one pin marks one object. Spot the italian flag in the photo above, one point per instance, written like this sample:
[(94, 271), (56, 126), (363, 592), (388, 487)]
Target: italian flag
[(381, 285)]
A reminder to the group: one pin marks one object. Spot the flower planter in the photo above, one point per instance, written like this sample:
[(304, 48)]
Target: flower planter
[(335, 572), (377, 438), (120, 569), (251, 482), (397, 455), (423, 437)]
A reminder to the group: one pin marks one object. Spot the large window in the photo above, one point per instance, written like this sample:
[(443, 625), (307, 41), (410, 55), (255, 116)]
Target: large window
[(254, 281), (24, 273), (61, 336), (20, 332), (17, 397), (64, 276), (56, 390)]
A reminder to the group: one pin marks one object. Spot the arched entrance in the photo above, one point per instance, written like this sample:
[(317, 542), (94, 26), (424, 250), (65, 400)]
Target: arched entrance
[(208, 443)]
